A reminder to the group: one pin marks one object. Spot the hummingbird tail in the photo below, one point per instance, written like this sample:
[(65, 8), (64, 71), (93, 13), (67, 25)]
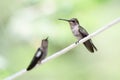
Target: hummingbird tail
[(94, 47), (90, 46), (32, 64)]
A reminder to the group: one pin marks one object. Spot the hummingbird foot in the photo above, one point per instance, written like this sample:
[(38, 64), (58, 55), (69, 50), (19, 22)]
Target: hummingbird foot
[(77, 42)]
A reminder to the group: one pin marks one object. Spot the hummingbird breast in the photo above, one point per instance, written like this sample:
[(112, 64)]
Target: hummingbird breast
[(76, 33)]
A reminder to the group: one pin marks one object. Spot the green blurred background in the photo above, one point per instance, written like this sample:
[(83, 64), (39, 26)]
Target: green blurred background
[(24, 23)]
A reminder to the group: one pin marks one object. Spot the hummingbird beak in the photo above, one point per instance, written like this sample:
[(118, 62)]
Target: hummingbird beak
[(46, 39), (64, 20)]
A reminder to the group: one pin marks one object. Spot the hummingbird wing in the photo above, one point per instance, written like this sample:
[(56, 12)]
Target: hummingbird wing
[(83, 31), (88, 44), (38, 55)]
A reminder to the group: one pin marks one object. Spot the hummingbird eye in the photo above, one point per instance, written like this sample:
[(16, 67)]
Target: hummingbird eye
[(73, 21)]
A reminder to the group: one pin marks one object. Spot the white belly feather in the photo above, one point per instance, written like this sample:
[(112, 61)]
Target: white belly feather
[(75, 31)]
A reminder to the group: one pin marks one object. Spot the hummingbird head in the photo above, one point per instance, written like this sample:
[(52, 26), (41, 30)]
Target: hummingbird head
[(72, 22), (44, 43)]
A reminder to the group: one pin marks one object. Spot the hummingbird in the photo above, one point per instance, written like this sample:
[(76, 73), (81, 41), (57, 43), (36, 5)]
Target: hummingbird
[(79, 32), (40, 54)]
